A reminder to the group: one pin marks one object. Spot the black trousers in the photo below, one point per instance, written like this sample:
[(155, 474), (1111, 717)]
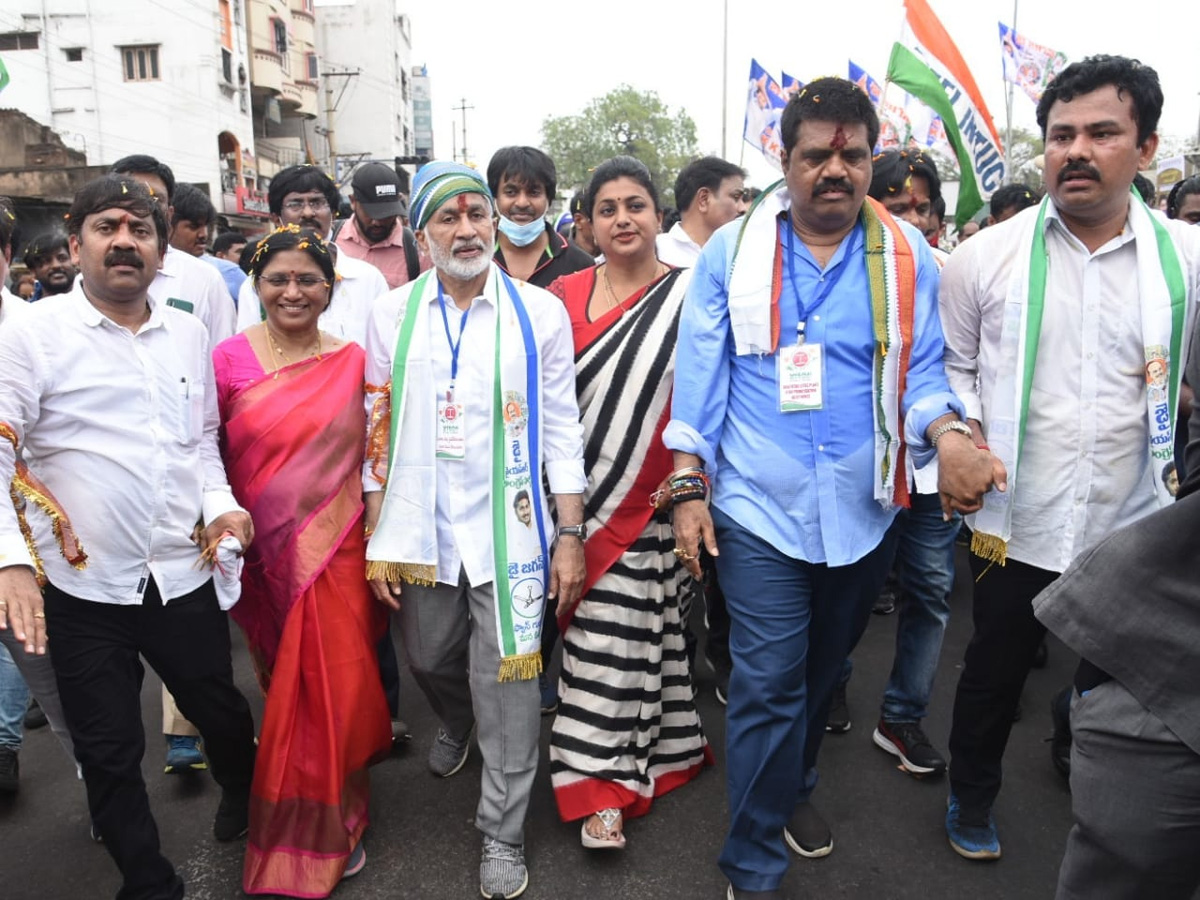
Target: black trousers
[(995, 666), (96, 662)]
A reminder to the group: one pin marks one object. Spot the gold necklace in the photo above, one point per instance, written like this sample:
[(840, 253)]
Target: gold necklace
[(614, 302), (273, 346)]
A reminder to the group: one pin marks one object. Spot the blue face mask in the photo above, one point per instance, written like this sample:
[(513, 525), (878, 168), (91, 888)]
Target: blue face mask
[(522, 235)]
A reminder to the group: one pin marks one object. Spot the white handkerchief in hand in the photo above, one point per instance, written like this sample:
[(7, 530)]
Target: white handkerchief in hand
[(227, 573)]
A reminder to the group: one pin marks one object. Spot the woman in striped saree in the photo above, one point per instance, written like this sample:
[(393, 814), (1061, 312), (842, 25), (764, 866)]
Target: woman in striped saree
[(627, 729)]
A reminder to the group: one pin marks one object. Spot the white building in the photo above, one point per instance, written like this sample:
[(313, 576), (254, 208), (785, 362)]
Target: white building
[(365, 47), (169, 78)]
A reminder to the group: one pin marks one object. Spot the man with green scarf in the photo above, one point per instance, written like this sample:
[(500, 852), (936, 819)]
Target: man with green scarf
[(1058, 323), (471, 398)]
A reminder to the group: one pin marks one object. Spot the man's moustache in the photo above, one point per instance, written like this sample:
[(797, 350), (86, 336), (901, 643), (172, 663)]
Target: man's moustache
[(824, 186), (124, 259), (1077, 168)]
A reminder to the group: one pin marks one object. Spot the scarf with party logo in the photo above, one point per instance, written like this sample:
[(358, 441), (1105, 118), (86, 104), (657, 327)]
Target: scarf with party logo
[(755, 286), (404, 544), (1162, 297)]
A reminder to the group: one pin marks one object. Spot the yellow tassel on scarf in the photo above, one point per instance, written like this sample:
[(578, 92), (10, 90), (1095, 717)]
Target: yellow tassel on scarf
[(525, 667), (990, 547), (409, 573)]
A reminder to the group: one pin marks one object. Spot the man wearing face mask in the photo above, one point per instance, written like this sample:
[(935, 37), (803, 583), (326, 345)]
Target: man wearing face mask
[(377, 232), (524, 181)]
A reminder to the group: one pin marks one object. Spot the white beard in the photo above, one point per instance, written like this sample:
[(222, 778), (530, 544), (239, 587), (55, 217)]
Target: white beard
[(460, 269)]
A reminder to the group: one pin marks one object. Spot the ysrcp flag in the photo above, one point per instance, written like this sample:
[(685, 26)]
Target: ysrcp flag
[(1028, 65), (3, 76), (764, 104), (895, 123), (791, 86), (932, 69)]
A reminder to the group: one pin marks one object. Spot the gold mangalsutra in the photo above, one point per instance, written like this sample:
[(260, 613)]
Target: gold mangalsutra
[(614, 302), (273, 346)]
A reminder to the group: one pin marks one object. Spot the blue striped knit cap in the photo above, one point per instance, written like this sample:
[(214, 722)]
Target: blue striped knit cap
[(438, 181)]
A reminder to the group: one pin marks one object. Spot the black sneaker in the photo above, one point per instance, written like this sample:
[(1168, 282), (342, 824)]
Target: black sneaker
[(233, 816), (10, 770), (907, 741), (721, 670), (34, 717), (885, 603), (839, 713), (807, 832)]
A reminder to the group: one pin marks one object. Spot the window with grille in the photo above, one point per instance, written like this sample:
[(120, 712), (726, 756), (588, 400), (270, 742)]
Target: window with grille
[(19, 40), (140, 63)]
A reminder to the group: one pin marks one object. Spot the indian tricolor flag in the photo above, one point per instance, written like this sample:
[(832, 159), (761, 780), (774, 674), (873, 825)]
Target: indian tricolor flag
[(929, 66)]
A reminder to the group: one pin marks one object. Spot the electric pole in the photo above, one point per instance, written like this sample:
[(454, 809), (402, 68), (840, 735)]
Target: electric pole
[(462, 107)]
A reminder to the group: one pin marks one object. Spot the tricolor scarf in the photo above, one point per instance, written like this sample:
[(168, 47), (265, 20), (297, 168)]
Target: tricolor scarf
[(404, 545), (756, 283), (1162, 297)]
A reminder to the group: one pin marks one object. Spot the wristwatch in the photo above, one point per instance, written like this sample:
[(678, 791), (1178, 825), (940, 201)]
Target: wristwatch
[(956, 425), (579, 531)]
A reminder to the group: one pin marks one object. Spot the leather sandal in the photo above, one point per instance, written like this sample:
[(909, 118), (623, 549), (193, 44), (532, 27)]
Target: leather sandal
[(614, 837)]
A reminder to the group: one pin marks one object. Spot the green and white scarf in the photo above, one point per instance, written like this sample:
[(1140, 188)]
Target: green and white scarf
[(1162, 296), (404, 545)]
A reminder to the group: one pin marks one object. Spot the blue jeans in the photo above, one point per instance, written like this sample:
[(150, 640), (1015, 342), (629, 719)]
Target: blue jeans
[(14, 698), (792, 624), (924, 565)]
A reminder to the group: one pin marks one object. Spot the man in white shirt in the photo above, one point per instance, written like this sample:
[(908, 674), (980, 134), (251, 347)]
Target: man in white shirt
[(183, 281), (306, 196), (448, 549), (708, 193), (1053, 321), (108, 397)]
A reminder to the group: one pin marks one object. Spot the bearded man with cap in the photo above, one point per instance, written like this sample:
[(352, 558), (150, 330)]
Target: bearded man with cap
[(377, 232), (471, 395)]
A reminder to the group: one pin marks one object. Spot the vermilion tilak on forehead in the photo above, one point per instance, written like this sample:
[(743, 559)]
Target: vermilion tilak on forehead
[(838, 141), (462, 203)]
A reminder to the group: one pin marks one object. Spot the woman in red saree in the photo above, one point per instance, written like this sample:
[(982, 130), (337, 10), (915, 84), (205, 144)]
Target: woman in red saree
[(293, 427), (627, 730)]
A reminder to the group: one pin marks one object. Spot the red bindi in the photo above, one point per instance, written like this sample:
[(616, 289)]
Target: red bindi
[(838, 141)]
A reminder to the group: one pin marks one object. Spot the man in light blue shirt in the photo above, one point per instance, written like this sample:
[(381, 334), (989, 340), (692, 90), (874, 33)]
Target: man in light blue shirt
[(810, 365)]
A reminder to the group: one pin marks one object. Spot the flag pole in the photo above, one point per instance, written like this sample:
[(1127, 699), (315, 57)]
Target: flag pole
[(1008, 104), (725, 84)]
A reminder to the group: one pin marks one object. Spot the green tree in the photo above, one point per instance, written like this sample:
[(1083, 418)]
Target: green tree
[(623, 121)]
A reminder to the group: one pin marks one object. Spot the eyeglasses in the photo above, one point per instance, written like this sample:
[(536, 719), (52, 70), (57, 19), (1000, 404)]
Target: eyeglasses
[(304, 282), (316, 204)]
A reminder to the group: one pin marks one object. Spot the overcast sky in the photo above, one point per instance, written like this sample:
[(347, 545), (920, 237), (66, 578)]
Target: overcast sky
[(520, 61)]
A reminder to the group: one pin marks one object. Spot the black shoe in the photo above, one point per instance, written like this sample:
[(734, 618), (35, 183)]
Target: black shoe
[(885, 603), (10, 770), (1060, 741), (738, 894), (94, 833), (907, 741), (34, 717), (233, 816), (721, 670), (1041, 656), (839, 713), (807, 832)]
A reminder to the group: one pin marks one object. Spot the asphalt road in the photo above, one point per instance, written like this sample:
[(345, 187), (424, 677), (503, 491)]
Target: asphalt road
[(889, 840)]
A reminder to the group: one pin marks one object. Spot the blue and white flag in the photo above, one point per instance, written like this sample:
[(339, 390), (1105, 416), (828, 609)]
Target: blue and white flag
[(1028, 65), (764, 104)]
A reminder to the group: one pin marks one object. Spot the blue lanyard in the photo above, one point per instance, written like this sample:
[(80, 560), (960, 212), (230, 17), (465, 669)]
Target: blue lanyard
[(454, 345), (828, 283)]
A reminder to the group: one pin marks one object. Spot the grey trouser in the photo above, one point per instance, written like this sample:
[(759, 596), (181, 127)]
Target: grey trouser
[(449, 632), (39, 676), (1135, 793)]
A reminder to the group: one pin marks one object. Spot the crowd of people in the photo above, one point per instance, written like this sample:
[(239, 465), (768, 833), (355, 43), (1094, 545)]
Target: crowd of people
[(446, 424)]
